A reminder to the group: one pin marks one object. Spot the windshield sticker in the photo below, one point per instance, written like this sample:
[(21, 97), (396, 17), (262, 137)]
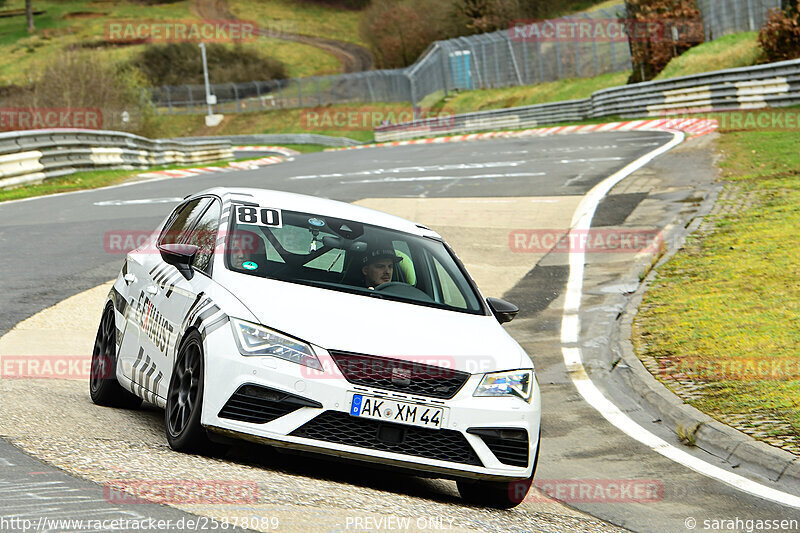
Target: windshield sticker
[(261, 216), (249, 265)]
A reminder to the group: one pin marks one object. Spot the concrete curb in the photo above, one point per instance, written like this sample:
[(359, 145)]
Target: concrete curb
[(693, 127), (732, 446), (232, 166)]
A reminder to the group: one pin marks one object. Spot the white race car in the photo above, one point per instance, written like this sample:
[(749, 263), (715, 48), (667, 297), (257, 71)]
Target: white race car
[(316, 325)]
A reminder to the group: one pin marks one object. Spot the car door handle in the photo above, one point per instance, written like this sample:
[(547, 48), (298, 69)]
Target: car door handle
[(152, 289), (129, 278)]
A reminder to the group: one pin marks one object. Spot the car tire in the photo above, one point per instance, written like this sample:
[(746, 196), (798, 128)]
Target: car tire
[(499, 495), (185, 400), (104, 388)]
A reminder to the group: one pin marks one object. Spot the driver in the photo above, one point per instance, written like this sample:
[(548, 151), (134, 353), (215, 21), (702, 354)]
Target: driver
[(379, 266)]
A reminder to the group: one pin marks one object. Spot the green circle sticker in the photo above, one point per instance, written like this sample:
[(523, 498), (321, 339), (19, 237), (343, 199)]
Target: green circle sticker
[(249, 265)]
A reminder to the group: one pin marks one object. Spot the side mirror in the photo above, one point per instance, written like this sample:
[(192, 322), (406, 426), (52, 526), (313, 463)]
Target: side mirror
[(180, 256), (503, 311)]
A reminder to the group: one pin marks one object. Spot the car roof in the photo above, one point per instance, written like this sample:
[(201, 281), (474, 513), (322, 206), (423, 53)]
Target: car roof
[(318, 206)]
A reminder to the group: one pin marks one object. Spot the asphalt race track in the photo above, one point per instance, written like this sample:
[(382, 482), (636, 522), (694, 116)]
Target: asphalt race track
[(475, 194)]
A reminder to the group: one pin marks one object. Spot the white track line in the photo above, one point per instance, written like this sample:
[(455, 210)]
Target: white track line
[(570, 328)]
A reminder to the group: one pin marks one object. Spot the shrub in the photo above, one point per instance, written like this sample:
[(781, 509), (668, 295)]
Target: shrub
[(181, 64), (651, 52), (780, 35), (399, 31), (81, 79)]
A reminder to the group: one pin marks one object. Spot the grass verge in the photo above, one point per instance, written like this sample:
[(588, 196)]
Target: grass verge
[(355, 121), (731, 51), (64, 24), (305, 18), (722, 318)]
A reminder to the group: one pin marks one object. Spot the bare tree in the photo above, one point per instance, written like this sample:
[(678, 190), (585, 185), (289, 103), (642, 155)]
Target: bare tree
[(29, 15)]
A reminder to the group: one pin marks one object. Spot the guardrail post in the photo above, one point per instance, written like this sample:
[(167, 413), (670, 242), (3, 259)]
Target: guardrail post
[(300, 91), (191, 100), (319, 96), (541, 60), (258, 95), (169, 99), (558, 58), (236, 96), (370, 91), (496, 64), (525, 60)]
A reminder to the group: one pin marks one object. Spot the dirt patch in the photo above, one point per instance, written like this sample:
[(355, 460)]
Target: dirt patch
[(92, 45), (19, 12), (353, 58), (85, 15)]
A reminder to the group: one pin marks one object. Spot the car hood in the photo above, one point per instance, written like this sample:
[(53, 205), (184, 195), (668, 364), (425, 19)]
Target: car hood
[(348, 322)]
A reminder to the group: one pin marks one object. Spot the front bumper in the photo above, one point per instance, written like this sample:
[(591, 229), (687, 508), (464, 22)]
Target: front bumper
[(295, 407)]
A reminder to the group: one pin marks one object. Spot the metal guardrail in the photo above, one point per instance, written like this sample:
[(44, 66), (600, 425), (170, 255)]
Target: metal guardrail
[(36, 155), (771, 85), (279, 138)]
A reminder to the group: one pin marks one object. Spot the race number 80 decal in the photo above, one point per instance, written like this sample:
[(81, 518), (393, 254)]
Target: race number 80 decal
[(261, 216)]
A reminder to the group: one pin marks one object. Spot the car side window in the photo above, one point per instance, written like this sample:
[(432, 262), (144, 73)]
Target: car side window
[(182, 221), (450, 293), (204, 236)]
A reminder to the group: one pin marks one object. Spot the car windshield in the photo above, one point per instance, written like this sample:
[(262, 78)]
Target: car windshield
[(347, 256)]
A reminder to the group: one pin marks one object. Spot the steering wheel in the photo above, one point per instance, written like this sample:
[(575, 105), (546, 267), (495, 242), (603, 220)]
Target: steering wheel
[(403, 290)]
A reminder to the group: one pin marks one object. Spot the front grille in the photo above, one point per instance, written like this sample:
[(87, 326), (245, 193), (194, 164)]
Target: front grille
[(399, 375), (342, 428), (510, 446), (259, 405)]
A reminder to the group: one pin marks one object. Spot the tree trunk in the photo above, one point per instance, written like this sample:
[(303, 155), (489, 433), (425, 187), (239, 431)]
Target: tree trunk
[(29, 15)]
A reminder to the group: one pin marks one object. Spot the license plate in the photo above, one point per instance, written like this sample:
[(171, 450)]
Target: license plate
[(412, 414)]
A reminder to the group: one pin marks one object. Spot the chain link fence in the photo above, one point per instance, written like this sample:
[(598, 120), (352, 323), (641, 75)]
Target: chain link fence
[(722, 17), (369, 86), (490, 60)]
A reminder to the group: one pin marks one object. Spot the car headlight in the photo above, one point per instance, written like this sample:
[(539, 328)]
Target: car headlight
[(517, 383), (254, 339)]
